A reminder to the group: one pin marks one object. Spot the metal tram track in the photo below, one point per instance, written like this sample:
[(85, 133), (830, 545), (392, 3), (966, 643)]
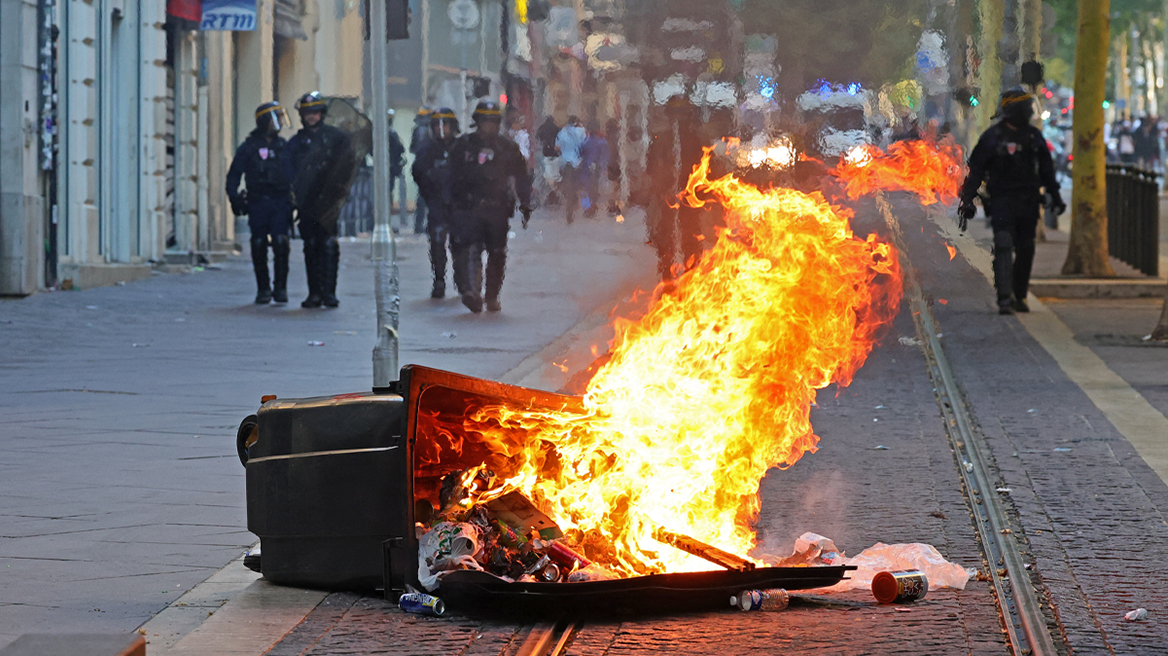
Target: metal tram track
[(549, 639), (1021, 610)]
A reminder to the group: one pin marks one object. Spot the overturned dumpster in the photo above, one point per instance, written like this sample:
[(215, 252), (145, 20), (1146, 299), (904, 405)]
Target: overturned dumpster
[(343, 490)]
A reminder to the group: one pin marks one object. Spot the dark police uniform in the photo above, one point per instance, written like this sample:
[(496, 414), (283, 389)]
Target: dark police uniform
[(1015, 165), (324, 164), (434, 177), (483, 205), (264, 165)]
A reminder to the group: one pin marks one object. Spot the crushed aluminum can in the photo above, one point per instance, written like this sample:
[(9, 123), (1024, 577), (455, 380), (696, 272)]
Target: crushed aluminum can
[(900, 587), (421, 604), (550, 573), (772, 599), (508, 536)]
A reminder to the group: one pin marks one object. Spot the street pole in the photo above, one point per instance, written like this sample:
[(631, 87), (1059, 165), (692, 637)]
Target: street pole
[(385, 283)]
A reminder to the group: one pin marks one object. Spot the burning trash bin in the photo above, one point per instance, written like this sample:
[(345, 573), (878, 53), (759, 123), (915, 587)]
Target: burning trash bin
[(380, 490)]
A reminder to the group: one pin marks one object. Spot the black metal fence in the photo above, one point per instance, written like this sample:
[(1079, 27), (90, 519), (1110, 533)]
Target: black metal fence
[(1133, 217)]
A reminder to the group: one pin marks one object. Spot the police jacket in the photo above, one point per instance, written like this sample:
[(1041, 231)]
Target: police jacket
[(432, 172), (263, 164), (483, 169), (324, 165), (1010, 161)]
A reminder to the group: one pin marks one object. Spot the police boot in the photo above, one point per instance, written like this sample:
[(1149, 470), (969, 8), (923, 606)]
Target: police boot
[(281, 247), (496, 267), (438, 260), (312, 263), (259, 262), (1004, 270), (472, 292), (331, 261)]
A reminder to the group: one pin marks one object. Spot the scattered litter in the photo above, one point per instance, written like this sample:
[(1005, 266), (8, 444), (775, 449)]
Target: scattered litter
[(421, 604), (1062, 448), (875, 419), (197, 269), (938, 514), (910, 341), (121, 283), (940, 335), (902, 610), (1032, 410), (1146, 338), (344, 332), (140, 345), (968, 466), (1136, 615), (179, 320), (813, 549), (943, 301), (90, 307), (450, 335), (510, 234), (1004, 490), (904, 586), (773, 599), (881, 407), (315, 343), (882, 448)]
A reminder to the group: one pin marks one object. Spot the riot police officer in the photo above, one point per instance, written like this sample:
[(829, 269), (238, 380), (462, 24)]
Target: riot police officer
[(262, 162), (431, 171), (1013, 160), (324, 164), (485, 163)]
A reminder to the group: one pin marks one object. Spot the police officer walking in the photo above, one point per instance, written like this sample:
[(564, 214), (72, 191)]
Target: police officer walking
[(1011, 157), (486, 165), (324, 164), (262, 162), (432, 173)]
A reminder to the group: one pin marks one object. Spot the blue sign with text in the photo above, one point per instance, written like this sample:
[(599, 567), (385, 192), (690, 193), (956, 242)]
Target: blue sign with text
[(232, 15)]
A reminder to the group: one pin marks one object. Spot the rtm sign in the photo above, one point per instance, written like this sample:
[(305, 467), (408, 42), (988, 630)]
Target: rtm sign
[(231, 15)]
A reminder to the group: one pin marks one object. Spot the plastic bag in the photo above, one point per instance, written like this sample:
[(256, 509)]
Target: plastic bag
[(882, 557), (448, 546)]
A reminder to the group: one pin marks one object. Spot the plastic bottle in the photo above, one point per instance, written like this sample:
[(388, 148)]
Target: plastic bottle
[(772, 599)]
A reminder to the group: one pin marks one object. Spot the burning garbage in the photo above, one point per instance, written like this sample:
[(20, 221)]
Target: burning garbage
[(654, 470)]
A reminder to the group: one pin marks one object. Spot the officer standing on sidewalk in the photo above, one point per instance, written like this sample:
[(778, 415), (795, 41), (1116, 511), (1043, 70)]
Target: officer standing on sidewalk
[(1013, 160), (486, 165), (324, 164), (431, 171), (261, 161)]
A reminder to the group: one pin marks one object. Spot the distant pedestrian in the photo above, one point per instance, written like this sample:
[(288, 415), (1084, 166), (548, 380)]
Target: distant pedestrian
[(1011, 157), (594, 156), (397, 171), (550, 155), (432, 172), (418, 139), (568, 142), (1125, 143), (1147, 144), (261, 161), (324, 165), (489, 172)]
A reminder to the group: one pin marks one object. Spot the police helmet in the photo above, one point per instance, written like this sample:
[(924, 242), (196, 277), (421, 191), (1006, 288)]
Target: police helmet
[(440, 116), (1016, 105), (487, 111), (271, 114), (424, 114), (312, 102)]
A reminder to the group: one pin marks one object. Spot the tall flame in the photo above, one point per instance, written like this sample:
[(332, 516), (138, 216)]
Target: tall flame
[(713, 386)]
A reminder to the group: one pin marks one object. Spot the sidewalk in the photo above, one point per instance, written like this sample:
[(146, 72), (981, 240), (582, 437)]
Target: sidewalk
[(119, 484)]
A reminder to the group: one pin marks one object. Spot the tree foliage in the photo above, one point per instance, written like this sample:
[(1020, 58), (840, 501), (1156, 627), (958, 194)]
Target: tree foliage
[(869, 41)]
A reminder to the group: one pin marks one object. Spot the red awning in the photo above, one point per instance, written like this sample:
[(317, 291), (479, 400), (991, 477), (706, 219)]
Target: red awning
[(191, 10)]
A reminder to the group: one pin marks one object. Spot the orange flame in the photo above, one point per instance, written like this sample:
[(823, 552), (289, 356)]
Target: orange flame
[(713, 386), (931, 169), (952, 251)]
